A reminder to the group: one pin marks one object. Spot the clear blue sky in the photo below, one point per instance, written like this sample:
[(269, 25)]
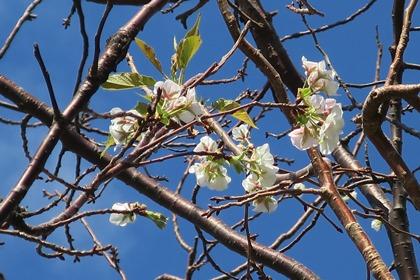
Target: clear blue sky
[(146, 251)]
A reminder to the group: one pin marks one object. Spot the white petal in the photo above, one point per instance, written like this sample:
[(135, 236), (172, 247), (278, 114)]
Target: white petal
[(240, 133), (318, 102), (250, 183), (268, 177), (121, 219), (207, 144), (265, 205), (301, 139), (186, 116), (331, 87)]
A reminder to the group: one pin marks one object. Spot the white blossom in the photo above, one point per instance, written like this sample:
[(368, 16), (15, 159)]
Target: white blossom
[(376, 225), (251, 183), (207, 144), (302, 139), (210, 174), (185, 107), (329, 135), (319, 78), (122, 128), (263, 156), (266, 204), (192, 107), (323, 129), (262, 163), (170, 89), (240, 133), (121, 219)]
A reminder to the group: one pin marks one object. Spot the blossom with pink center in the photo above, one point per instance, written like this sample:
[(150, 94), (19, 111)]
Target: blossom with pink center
[(319, 78)]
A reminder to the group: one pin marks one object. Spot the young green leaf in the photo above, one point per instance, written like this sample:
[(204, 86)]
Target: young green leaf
[(304, 92), (149, 52), (236, 162), (159, 219), (226, 105), (127, 80), (194, 30), (141, 108), (243, 116), (186, 49), (109, 143)]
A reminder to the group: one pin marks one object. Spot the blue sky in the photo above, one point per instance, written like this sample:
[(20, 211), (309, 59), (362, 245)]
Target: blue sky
[(146, 251)]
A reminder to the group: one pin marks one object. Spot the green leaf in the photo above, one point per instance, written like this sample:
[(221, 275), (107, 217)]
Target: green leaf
[(236, 161), (301, 119), (127, 80), (242, 115), (174, 65), (141, 108), (194, 30), (304, 92), (109, 142), (159, 219), (226, 105), (186, 49), (149, 52)]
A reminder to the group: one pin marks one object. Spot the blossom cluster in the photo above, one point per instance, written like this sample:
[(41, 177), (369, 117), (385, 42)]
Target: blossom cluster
[(179, 107), (258, 162), (209, 171), (172, 105), (322, 123)]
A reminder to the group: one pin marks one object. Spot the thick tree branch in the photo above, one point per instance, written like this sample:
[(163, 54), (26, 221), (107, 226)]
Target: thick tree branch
[(267, 41), (372, 127), (113, 54), (74, 142)]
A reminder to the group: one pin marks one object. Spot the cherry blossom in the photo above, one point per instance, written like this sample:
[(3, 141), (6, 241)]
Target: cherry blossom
[(122, 128), (121, 219), (251, 183), (207, 144), (266, 204), (329, 135), (210, 174), (241, 133), (185, 108), (302, 139), (319, 78), (323, 126), (262, 164)]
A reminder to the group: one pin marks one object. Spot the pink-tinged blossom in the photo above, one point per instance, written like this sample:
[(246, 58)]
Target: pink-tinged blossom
[(329, 135), (302, 139), (319, 78), (323, 129)]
